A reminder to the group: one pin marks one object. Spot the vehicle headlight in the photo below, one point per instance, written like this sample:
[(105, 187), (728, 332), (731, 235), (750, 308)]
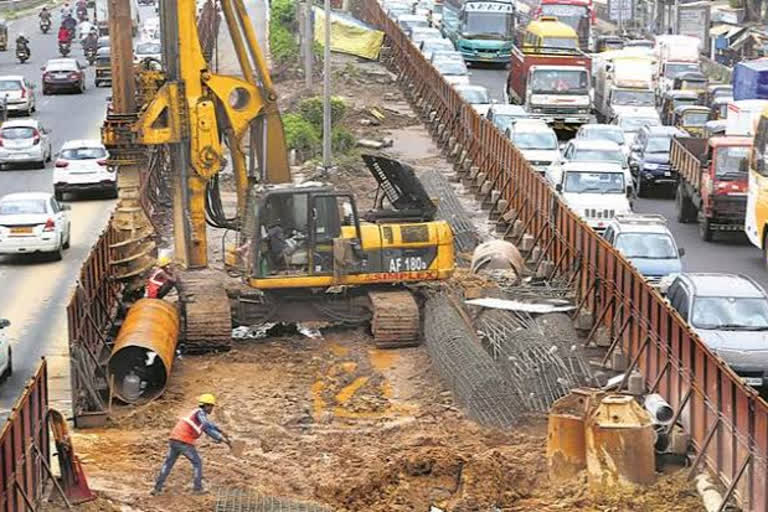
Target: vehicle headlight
[(650, 167)]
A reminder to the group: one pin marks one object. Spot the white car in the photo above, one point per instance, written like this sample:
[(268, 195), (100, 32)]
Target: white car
[(24, 141), (419, 34), (6, 361), (604, 132), (475, 95), (597, 191), (596, 150), (19, 94), (147, 50), (34, 222), (537, 142), (631, 122), (454, 71), (150, 29), (81, 166), (431, 45)]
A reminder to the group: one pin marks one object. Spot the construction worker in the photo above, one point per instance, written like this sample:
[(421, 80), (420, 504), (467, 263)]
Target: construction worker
[(182, 442), (162, 278)]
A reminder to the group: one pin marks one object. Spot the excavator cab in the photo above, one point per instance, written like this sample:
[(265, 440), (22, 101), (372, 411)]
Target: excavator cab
[(301, 231)]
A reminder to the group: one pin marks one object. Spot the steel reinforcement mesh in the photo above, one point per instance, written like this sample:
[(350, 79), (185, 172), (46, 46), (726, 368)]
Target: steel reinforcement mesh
[(450, 209), (466, 369), (244, 500), (540, 367)]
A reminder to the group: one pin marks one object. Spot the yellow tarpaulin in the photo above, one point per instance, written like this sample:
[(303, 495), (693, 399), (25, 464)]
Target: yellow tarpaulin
[(348, 35)]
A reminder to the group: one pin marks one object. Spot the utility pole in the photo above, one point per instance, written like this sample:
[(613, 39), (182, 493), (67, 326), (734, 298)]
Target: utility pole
[(309, 38), (327, 89)]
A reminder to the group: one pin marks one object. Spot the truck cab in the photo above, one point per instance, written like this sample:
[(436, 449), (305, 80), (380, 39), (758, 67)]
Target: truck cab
[(624, 82), (597, 191)]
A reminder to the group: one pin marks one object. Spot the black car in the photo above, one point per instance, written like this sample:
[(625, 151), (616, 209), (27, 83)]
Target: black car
[(649, 158)]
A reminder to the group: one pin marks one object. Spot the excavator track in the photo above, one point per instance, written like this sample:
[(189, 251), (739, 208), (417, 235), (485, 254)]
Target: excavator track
[(396, 321), (208, 316)]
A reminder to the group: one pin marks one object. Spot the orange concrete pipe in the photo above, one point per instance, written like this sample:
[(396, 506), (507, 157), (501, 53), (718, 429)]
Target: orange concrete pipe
[(142, 355)]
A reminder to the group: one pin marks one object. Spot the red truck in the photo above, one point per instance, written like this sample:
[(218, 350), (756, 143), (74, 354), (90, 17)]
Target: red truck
[(551, 84), (712, 186)]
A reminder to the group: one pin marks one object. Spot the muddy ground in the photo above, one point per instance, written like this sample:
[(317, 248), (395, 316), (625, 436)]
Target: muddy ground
[(334, 421)]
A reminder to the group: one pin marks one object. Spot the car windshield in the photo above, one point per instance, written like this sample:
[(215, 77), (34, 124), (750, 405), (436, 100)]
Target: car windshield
[(475, 96), (575, 16), (535, 140), (559, 82), (658, 145), (451, 67), (488, 25), (673, 69), (638, 98), (653, 246), (22, 206), (148, 48), (83, 153), (613, 135), (10, 85), (730, 313), (633, 124), (695, 118), (731, 162), (596, 182), (597, 155), (504, 120), (18, 132), (437, 44)]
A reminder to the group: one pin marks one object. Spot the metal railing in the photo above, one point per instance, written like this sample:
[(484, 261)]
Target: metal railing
[(25, 456), (727, 421), (90, 314)]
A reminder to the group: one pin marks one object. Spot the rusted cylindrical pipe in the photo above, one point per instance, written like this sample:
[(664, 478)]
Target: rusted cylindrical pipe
[(142, 356)]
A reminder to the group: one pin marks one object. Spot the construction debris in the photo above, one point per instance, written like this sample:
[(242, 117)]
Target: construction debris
[(526, 307), (374, 144)]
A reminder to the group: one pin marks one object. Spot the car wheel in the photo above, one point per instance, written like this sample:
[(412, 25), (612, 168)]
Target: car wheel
[(9, 369), (69, 236), (641, 192), (705, 229), (56, 254), (40, 164), (58, 195)]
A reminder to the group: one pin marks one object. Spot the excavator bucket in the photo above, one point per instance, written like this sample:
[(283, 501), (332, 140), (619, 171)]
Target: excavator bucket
[(405, 193), (73, 481)]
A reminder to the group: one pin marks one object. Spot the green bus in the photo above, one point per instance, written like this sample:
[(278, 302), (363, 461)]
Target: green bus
[(482, 30)]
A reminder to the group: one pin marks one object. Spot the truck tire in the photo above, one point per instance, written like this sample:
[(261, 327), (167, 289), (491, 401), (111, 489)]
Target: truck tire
[(705, 229), (684, 209)]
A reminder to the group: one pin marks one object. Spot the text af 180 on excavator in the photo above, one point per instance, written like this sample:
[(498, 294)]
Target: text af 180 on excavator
[(304, 252)]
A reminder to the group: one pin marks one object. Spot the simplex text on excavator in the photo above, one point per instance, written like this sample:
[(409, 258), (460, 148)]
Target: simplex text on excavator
[(303, 251)]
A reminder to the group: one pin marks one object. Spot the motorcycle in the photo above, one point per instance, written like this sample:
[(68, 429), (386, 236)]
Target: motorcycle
[(45, 25), (22, 53), (64, 48), (90, 55), (82, 15)]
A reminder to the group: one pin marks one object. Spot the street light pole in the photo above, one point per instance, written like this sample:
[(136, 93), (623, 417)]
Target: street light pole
[(309, 38), (327, 89)]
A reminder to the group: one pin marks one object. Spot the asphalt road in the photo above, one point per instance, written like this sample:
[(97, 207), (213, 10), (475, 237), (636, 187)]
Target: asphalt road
[(726, 253), (35, 291)]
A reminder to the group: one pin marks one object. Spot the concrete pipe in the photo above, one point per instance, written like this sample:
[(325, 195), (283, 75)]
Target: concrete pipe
[(661, 412), (142, 356), (497, 255)]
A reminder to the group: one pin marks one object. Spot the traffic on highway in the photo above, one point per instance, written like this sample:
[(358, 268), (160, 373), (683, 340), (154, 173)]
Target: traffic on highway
[(636, 140), (56, 184)]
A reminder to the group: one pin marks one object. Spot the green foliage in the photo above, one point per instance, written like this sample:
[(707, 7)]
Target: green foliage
[(342, 140), (300, 134), (282, 26), (312, 110), (283, 12)]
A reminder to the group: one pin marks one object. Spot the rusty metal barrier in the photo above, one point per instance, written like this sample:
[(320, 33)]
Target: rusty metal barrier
[(25, 454), (90, 317), (727, 420)]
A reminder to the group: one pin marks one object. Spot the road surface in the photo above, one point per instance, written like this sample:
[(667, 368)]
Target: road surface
[(35, 292)]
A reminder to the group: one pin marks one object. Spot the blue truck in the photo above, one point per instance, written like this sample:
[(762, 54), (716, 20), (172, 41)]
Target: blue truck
[(750, 80)]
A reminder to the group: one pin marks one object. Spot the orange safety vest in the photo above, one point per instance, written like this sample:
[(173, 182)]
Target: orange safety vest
[(188, 429), (156, 281)]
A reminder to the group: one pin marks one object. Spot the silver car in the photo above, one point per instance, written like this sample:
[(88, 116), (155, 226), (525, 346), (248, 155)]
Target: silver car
[(19, 94), (24, 141)]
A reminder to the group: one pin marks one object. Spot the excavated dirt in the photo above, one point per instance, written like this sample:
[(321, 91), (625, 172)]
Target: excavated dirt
[(335, 421)]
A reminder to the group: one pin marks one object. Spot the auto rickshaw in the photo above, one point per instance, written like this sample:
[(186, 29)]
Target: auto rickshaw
[(672, 100), (713, 128), (606, 43), (691, 118), (3, 35), (691, 81), (718, 109), (716, 91), (103, 66)]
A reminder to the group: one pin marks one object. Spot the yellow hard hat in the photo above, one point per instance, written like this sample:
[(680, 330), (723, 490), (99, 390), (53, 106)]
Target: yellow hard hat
[(163, 261), (206, 399)]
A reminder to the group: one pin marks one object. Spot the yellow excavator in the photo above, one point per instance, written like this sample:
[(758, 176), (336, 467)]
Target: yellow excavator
[(304, 252)]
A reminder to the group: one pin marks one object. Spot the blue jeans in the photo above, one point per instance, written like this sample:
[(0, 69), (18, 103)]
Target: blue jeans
[(176, 448)]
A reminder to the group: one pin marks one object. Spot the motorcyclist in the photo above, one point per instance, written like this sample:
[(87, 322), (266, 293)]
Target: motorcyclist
[(64, 35), (91, 41), (70, 24), (45, 14), (66, 11), (83, 29), (82, 11), (22, 42)]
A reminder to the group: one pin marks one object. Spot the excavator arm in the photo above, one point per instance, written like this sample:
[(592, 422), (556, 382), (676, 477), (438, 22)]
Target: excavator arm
[(196, 111)]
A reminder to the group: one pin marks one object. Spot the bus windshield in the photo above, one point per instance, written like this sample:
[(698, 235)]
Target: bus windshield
[(488, 25), (575, 16)]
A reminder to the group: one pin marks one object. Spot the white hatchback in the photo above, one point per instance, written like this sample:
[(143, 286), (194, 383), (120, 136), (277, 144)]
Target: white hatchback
[(81, 166), (19, 94), (6, 361), (34, 222), (24, 141)]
